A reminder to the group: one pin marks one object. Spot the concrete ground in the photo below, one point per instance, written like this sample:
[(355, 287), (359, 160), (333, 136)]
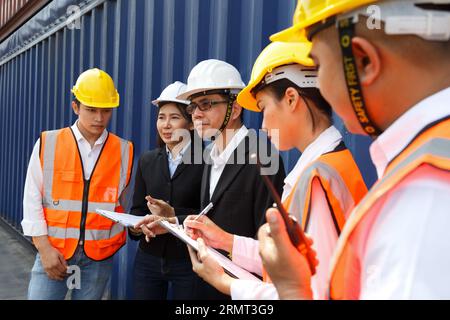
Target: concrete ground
[(16, 260)]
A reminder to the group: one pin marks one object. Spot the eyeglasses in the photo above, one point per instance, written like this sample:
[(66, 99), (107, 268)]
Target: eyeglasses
[(204, 105)]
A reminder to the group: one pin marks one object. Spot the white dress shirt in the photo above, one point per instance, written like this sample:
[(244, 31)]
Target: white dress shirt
[(220, 159), (407, 253), (321, 229), (33, 223), (326, 142)]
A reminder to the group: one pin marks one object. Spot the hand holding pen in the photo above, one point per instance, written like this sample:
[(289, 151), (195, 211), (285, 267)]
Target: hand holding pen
[(205, 211), (213, 236)]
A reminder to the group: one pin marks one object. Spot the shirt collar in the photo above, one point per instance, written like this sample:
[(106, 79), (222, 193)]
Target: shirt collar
[(327, 141), (222, 158), (79, 137), (180, 154), (395, 138)]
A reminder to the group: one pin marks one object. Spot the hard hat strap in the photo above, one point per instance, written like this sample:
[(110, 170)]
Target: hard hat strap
[(227, 118), (346, 29), (311, 31)]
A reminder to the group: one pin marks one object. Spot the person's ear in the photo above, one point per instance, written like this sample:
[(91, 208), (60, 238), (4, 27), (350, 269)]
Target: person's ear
[(237, 110), (76, 108), (292, 97), (368, 60)]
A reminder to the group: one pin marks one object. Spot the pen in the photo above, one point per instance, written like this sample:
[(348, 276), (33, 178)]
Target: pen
[(204, 211), (296, 234)]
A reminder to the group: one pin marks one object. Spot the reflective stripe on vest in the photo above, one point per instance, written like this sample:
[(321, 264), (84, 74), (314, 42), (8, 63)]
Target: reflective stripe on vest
[(345, 269), (63, 201), (48, 167), (125, 152), (75, 205), (72, 233), (299, 198), (342, 183)]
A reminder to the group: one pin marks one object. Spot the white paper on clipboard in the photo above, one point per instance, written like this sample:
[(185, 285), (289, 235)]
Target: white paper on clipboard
[(229, 266), (127, 220)]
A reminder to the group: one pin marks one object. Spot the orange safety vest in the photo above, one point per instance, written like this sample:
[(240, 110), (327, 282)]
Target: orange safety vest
[(341, 181), (70, 201), (431, 147)]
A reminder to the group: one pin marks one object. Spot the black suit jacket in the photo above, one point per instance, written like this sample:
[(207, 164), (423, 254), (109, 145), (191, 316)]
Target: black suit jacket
[(240, 200), (182, 192)]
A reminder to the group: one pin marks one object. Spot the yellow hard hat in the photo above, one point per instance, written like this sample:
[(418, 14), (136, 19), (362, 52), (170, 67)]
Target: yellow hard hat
[(274, 55), (309, 12), (95, 88)]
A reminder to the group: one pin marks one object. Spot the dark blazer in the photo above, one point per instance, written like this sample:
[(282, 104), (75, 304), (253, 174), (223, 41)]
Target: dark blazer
[(240, 201), (182, 192)]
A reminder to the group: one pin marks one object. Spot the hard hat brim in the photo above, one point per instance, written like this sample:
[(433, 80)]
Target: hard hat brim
[(292, 34), (188, 94), (158, 101), (246, 100)]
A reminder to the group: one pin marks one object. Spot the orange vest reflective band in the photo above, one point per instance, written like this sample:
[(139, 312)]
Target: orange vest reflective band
[(69, 201), (341, 180), (431, 147)]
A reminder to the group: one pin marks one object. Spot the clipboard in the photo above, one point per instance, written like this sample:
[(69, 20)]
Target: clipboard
[(126, 220), (229, 266)]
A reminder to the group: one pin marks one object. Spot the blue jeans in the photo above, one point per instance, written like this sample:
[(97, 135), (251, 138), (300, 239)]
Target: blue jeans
[(153, 275), (94, 277)]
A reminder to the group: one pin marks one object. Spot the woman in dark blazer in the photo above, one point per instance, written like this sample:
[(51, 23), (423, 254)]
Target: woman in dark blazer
[(167, 173)]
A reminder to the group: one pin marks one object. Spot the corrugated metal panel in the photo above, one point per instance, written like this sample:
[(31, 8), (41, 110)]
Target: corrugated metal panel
[(9, 8), (144, 45), (14, 13)]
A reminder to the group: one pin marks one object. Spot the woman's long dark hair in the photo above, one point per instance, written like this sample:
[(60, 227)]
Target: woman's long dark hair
[(312, 97), (182, 108)]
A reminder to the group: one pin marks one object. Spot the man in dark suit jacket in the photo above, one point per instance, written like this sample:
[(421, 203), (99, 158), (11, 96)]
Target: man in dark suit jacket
[(231, 180)]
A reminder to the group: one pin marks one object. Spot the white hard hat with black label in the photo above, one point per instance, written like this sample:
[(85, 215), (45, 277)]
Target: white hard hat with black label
[(210, 75), (170, 94)]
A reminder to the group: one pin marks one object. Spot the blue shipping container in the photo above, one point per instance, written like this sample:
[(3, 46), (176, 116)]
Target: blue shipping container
[(144, 45)]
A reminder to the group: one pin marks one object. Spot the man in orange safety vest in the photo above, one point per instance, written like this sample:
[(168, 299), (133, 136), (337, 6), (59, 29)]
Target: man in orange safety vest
[(72, 172)]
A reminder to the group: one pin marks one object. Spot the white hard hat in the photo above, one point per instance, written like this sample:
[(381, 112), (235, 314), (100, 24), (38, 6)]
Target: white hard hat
[(302, 76), (213, 75), (171, 92), (402, 17)]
